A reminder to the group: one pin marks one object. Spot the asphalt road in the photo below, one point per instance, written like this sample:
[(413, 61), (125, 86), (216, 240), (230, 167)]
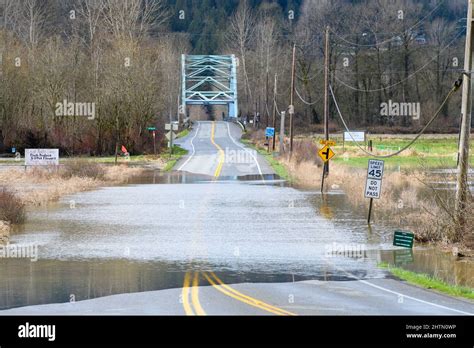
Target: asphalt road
[(215, 151), (213, 297)]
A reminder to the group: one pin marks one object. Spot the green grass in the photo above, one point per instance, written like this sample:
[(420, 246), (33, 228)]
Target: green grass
[(279, 168), (428, 282), (111, 159), (429, 153), (183, 133), (178, 152)]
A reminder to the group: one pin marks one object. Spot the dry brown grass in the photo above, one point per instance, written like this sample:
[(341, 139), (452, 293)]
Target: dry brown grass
[(40, 185), (406, 198), (12, 209), (37, 185)]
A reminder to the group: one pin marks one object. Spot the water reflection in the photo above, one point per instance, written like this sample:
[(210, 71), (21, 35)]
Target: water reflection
[(435, 263)]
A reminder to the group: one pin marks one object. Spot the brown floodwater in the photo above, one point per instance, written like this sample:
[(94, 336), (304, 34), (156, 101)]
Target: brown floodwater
[(144, 235)]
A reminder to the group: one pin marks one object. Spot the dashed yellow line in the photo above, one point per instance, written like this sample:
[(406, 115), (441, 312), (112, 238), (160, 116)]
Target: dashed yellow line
[(221, 152), (219, 285)]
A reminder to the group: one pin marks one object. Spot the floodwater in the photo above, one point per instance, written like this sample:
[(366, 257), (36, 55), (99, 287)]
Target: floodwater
[(145, 235)]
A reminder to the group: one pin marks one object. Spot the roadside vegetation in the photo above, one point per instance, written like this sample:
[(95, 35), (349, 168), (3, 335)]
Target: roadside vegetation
[(277, 166), (429, 282), (410, 198), (183, 133), (171, 160)]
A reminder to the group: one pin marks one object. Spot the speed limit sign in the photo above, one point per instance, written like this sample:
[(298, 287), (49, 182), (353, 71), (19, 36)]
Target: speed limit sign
[(373, 186)]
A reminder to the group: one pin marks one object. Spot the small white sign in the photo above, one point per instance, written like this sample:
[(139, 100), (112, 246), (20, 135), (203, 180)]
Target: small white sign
[(168, 126), (373, 186), (356, 136), (41, 157)]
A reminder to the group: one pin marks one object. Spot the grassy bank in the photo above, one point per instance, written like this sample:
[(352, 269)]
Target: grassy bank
[(37, 186), (171, 160), (428, 282), (183, 133), (276, 165)]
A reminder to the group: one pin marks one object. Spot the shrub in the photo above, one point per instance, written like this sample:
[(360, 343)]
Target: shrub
[(11, 207)]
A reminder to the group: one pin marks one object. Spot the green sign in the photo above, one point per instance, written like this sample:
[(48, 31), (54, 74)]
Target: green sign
[(151, 128), (403, 239)]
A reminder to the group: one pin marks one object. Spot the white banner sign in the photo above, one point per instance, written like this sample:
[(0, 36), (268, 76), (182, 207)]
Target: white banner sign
[(373, 186), (41, 157), (356, 136)]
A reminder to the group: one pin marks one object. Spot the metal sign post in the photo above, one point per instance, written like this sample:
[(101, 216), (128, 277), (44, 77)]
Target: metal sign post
[(153, 134)]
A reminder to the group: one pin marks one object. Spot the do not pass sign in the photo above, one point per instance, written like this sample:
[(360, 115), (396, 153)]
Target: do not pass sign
[(373, 186)]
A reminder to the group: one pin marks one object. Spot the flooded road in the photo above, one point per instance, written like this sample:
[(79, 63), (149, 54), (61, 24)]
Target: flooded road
[(111, 237), (178, 231), (146, 235)]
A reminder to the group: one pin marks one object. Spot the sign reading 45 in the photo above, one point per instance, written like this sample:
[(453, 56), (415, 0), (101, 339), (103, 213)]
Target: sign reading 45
[(375, 170)]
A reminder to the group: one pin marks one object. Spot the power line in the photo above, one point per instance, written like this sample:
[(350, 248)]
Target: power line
[(304, 101), (401, 81), (455, 87)]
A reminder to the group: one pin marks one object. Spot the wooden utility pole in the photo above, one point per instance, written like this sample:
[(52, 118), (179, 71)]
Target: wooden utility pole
[(267, 115), (465, 132), (282, 132), (274, 111), (326, 103), (326, 90), (291, 109), (171, 133)]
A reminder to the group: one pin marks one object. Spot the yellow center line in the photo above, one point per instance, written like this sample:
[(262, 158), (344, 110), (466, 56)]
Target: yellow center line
[(195, 295), (185, 294), (188, 307), (227, 290), (221, 152), (218, 284)]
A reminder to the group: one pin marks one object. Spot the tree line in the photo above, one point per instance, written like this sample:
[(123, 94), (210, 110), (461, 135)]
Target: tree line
[(123, 57)]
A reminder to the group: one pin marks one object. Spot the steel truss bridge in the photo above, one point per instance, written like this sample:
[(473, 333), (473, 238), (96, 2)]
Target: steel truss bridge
[(209, 80)]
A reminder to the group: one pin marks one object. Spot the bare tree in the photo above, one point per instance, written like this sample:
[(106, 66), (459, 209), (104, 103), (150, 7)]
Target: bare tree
[(239, 37)]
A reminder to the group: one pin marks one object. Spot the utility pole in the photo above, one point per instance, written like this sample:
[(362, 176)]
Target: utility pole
[(274, 110), (326, 104), (291, 109), (465, 131), (326, 96), (171, 134), (282, 132), (266, 100)]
